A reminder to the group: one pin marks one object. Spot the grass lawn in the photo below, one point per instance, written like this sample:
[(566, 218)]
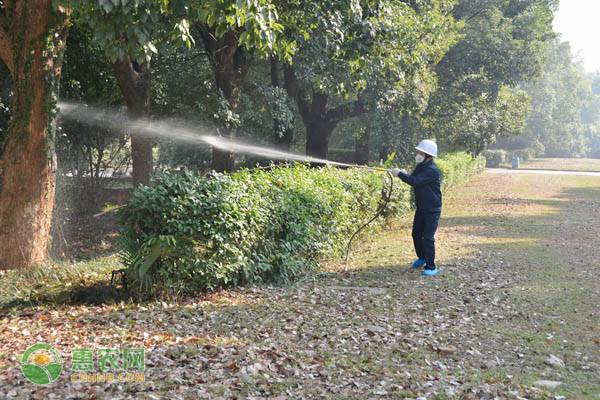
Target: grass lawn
[(561, 164), (519, 282)]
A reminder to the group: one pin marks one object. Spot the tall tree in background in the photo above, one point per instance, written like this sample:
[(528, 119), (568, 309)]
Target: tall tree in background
[(504, 43), (233, 33), (591, 117), (355, 48), (32, 41), (130, 32), (558, 99)]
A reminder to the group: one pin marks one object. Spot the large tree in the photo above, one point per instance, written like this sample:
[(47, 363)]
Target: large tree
[(130, 32), (504, 43), (356, 52), (233, 34), (32, 41), (558, 98)]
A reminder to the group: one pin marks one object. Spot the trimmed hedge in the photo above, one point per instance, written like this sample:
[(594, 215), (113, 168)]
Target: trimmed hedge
[(456, 167), (494, 157), (189, 232), (524, 154)]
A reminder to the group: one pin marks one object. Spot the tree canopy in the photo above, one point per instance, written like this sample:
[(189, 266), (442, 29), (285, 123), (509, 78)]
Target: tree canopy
[(353, 80)]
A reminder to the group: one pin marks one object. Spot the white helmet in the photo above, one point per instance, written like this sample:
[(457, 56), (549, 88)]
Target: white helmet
[(428, 147)]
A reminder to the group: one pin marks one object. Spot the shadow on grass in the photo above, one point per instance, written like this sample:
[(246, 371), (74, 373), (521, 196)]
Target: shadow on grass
[(97, 293)]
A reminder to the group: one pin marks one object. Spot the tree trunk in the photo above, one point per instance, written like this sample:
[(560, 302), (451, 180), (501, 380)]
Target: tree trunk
[(226, 82), (230, 66), (318, 119), (318, 133), (28, 161), (318, 126), (134, 81)]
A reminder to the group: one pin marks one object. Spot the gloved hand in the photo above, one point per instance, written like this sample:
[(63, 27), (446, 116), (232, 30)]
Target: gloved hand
[(396, 172)]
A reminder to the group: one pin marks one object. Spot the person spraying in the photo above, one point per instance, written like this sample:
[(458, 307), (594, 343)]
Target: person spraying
[(426, 181)]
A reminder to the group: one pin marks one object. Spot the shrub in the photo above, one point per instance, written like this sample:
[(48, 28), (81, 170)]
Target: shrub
[(494, 157), (538, 148), (190, 232), (524, 154), (456, 167)]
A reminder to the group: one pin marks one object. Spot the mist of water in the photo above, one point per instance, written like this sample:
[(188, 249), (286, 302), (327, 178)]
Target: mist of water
[(178, 131)]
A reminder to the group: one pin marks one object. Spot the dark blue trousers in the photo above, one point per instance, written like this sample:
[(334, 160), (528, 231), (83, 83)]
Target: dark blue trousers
[(424, 226)]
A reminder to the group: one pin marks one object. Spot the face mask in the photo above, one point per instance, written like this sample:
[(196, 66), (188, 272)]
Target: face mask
[(420, 158)]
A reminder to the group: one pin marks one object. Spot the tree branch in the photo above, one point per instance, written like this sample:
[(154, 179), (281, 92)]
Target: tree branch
[(293, 90), (134, 84), (476, 14), (347, 110)]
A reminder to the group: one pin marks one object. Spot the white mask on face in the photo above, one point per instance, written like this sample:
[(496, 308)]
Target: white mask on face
[(420, 158)]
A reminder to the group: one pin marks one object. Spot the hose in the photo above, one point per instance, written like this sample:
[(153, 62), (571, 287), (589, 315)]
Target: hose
[(386, 197)]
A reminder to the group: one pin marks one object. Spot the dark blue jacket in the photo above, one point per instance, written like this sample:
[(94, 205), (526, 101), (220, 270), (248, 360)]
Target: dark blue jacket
[(426, 180)]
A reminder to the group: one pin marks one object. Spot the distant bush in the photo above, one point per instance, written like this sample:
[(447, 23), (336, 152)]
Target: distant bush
[(494, 157), (524, 154), (189, 232), (538, 148)]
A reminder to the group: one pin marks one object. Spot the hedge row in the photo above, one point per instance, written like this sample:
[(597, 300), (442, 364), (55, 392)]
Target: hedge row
[(524, 154), (189, 232), (456, 167), (494, 158)]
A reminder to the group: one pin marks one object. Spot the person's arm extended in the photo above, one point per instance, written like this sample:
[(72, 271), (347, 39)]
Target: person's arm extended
[(429, 176)]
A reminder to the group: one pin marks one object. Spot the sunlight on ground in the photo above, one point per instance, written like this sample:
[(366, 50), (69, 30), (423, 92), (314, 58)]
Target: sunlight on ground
[(561, 164)]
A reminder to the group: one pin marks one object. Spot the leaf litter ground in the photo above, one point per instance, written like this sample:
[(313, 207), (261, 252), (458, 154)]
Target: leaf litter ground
[(518, 290)]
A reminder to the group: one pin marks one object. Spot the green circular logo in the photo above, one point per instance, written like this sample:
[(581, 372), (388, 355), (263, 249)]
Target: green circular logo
[(41, 364)]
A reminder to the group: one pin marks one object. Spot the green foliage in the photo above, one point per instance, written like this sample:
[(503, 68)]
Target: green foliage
[(257, 22), (476, 122), (494, 157), (138, 28), (456, 167), (385, 48), (189, 232), (86, 76), (559, 97), (504, 43)]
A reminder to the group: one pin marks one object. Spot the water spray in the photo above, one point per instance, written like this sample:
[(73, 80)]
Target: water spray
[(200, 135), (178, 130)]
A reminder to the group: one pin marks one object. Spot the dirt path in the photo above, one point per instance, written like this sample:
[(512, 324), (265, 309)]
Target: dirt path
[(519, 284)]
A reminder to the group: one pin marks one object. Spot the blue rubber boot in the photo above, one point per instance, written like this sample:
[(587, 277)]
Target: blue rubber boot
[(418, 263), (429, 272)]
